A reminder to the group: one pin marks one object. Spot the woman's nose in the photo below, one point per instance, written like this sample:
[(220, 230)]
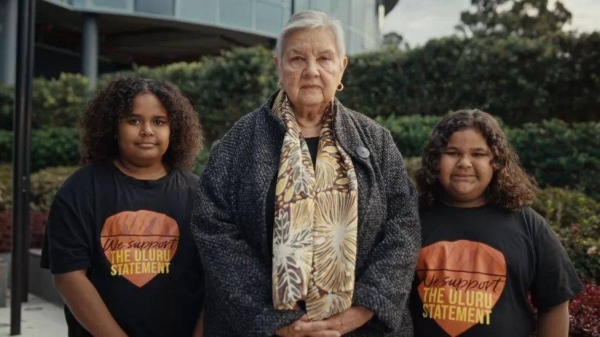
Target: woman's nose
[(311, 69)]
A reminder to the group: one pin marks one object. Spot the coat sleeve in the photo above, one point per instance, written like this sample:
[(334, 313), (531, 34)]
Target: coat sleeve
[(385, 285), (238, 282)]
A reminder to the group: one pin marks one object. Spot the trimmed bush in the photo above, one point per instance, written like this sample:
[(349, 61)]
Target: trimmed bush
[(518, 79), (576, 219), (6, 106), (412, 164), (221, 88), (59, 102), (561, 155), (5, 186), (554, 152), (410, 133), (50, 147), (44, 185), (201, 161)]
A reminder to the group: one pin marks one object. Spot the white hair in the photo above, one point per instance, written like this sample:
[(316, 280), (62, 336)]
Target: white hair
[(312, 19)]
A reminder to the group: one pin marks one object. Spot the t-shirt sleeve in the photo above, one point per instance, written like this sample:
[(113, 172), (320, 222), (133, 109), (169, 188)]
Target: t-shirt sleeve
[(556, 279), (68, 238)]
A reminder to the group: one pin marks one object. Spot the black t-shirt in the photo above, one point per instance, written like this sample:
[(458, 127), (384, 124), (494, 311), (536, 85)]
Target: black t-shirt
[(478, 267), (133, 237)]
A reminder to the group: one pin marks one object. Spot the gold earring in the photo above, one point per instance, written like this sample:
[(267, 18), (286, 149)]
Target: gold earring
[(340, 87)]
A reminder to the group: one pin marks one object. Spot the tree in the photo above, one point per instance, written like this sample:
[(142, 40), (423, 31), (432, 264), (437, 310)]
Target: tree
[(395, 41), (528, 18)]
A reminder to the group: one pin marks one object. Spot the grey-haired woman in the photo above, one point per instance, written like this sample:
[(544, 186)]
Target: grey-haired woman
[(306, 222)]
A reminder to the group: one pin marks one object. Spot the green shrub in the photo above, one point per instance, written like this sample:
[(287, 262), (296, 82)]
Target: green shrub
[(412, 164), (410, 132), (5, 186), (44, 185), (221, 88), (201, 161), (54, 147), (59, 102), (6, 145), (51, 147), (555, 153), (560, 154), (6, 106), (576, 219)]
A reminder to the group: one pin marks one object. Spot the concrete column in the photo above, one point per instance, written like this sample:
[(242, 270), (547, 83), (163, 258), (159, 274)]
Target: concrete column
[(89, 49), (9, 16)]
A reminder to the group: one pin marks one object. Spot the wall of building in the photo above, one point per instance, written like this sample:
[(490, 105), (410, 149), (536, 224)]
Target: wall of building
[(263, 17)]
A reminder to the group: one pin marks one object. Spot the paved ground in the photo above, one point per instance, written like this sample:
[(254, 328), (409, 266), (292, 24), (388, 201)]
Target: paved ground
[(38, 319)]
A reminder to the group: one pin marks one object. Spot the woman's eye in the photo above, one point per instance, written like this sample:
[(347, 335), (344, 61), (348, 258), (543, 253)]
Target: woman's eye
[(297, 58), (324, 58), (134, 121), (159, 122), (477, 155)]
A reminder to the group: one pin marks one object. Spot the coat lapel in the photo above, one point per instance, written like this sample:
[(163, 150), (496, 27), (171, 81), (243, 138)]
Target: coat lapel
[(350, 138)]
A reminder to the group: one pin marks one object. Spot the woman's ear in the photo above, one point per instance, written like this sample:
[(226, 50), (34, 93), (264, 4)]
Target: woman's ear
[(276, 63)]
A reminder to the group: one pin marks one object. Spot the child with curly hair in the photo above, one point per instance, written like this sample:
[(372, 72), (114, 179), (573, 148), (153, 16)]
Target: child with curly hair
[(118, 239), (486, 255)]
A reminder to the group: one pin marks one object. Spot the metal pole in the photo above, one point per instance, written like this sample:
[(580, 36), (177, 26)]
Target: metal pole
[(9, 42), (27, 152), (21, 127), (293, 7), (89, 50)]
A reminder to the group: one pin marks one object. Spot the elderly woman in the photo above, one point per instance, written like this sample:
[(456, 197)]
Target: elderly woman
[(306, 222)]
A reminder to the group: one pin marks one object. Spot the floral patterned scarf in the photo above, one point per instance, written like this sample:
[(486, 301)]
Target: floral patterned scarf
[(316, 221)]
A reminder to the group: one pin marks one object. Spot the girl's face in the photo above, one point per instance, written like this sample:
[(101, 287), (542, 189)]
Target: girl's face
[(465, 168), (143, 136)]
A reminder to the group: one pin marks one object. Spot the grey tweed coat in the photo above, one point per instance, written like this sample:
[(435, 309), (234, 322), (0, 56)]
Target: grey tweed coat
[(230, 230)]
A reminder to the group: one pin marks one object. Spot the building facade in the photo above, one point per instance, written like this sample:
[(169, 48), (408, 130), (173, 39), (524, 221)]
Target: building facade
[(96, 36)]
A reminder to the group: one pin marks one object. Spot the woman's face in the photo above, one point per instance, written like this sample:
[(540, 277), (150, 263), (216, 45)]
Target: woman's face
[(311, 68)]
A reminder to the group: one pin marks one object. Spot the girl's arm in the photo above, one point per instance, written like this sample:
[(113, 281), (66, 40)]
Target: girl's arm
[(86, 304), (555, 321)]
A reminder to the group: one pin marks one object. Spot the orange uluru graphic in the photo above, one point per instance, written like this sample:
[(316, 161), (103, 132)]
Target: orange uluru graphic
[(460, 283), (139, 244)]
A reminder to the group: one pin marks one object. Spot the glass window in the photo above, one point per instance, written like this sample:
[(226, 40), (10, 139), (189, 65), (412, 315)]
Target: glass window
[(205, 10), (269, 17), (116, 4), (236, 13), (161, 7)]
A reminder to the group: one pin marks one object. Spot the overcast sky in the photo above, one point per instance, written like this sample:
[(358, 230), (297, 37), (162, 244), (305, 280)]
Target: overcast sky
[(421, 20)]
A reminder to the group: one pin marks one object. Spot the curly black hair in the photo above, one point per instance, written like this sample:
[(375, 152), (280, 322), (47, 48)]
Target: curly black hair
[(99, 122), (511, 188)]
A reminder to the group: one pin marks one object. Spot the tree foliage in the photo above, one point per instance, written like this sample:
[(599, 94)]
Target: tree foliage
[(527, 18)]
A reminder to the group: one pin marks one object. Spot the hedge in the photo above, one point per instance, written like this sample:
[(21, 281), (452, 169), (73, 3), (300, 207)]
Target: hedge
[(51, 147), (518, 79), (555, 153), (576, 220)]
